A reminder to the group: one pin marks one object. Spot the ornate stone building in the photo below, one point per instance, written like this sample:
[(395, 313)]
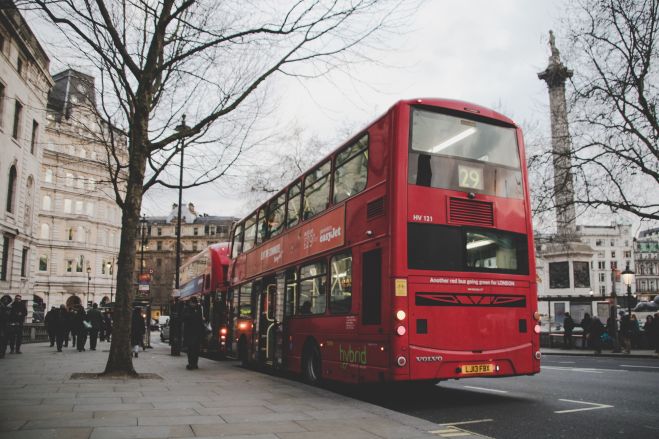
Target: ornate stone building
[(79, 222), (646, 252), (24, 85), (158, 253)]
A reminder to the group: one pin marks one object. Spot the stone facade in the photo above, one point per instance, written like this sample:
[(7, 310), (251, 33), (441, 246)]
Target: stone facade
[(79, 221), (646, 257), (198, 231), (24, 85)]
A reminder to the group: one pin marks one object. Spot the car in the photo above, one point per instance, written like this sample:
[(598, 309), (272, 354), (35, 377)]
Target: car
[(164, 332)]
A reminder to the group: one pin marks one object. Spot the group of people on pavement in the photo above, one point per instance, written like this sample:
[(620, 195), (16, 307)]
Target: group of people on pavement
[(12, 318), (595, 333), (187, 326), (76, 324)]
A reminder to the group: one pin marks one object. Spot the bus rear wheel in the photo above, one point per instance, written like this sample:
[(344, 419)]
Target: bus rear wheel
[(311, 365)]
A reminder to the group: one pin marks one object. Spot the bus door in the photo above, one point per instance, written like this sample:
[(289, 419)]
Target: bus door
[(266, 320)]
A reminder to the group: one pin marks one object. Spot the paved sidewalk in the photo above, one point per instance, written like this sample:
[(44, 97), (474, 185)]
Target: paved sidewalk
[(39, 400)]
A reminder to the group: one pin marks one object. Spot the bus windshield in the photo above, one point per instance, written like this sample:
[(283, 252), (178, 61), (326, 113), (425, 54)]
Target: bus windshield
[(451, 152), (437, 133)]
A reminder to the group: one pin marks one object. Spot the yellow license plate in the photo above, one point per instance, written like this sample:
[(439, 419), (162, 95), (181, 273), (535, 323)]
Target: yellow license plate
[(477, 368)]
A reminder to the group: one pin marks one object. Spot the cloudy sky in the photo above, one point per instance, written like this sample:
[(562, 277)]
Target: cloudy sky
[(482, 51)]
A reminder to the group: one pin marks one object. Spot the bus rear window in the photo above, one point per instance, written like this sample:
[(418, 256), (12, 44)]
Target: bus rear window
[(446, 248)]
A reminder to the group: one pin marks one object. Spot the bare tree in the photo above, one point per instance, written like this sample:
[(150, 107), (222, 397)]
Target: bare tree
[(157, 60), (614, 50)]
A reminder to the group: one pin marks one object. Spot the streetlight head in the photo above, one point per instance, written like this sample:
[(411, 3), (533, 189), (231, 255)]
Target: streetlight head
[(628, 276), (89, 269)]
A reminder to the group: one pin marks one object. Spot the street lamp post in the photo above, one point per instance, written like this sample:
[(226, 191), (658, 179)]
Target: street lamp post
[(111, 270), (89, 278), (628, 279), (613, 315), (143, 230)]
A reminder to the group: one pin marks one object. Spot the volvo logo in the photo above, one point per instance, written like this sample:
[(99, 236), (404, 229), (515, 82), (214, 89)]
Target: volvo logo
[(429, 359)]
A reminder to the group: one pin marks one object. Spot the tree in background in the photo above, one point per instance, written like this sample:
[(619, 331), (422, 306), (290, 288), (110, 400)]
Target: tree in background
[(159, 60), (613, 50)]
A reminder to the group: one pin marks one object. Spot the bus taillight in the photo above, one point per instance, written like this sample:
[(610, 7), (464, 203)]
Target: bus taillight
[(223, 331), (536, 316), (400, 330)]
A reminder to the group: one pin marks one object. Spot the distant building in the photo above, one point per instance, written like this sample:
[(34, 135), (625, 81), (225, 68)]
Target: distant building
[(198, 231), (24, 85), (79, 220), (646, 256)]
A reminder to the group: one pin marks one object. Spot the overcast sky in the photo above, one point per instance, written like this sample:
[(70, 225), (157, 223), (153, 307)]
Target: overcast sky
[(482, 51)]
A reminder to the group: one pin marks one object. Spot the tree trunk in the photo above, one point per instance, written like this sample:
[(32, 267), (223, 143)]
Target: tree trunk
[(120, 360)]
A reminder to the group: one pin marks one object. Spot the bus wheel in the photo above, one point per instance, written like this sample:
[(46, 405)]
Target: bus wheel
[(311, 369)]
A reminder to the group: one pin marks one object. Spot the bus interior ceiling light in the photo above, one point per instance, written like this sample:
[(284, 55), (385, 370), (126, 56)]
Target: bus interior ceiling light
[(455, 139), (479, 243)]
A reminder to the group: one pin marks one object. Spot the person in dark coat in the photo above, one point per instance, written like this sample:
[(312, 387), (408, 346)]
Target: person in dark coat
[(4, 324), (61, 323), (626, 332), (568, 327), (78, 326), (17, 314), (654, 332), (49, 321), (175, 327), (585, 325), (193, 331), (70, 319), (595, 335), (96, 319), (107, 325), (136, 331)]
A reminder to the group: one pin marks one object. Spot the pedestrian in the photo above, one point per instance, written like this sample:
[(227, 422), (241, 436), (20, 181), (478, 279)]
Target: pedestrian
[(4, 324), (61, 326), (636, 332), (626, 331), (175, 327), (136, 330), (71, 319), (49, 321), (95, 318), (17, 314), (595, 335), (655, 332), (647, 331), (585, 325), (193, 331), (107, 325), (568, 327), (80, 325)]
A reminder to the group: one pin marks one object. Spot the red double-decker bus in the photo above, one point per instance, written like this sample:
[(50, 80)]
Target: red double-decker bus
[(407, 254), (205, 276)]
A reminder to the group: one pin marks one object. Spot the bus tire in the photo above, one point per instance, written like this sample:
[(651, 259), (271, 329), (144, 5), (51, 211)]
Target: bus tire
[(311, 365)]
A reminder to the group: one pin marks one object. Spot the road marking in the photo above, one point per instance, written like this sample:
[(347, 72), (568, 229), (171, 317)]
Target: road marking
[(452, 432), (596, 406), (475, 421), (566, 362), (486, 389), (583, 369), (647, 367)]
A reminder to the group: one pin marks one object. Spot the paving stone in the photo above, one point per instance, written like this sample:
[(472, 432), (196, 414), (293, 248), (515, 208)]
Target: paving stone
[(246, 428)]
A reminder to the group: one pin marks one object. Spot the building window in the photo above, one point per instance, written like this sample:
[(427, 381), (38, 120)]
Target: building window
[(11, 188), (67, 205), (69, 265), (79, 263), (158, 262), (92, 184), (6, 245), (45, 231), (33, 141), (559, 275), (159, 231), (78, 206), (90, 209), (602, 277), (19, 66), (49, 176), (43, 263), (196, 231), (81, 234), (18, 115), (599, 242), (613, 254), (46, 202), (24, 261), (80, 182), (602, 290), (628, 254), (159, 245), (194, 245), (601, 265), (613, 243)]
